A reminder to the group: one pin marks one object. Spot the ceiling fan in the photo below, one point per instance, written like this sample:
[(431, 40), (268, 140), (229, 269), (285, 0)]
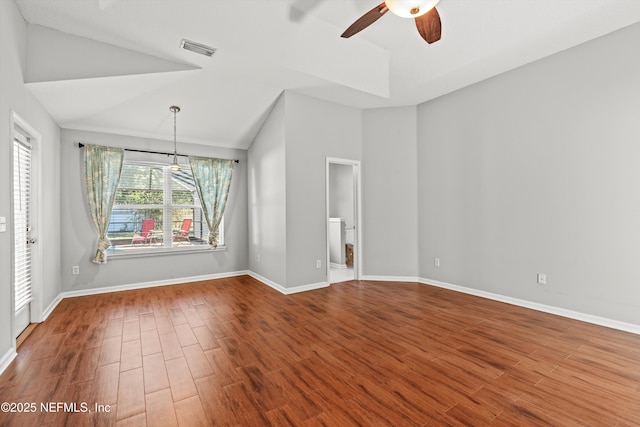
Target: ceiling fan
[(424, 11)]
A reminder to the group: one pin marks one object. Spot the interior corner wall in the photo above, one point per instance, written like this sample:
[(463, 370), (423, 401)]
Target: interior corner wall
[(15, 97), (79, 239), (267, 198), (390, 190), (536, 171), (315, 130)]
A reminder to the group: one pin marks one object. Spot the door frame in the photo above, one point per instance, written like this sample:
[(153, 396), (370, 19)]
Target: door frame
[(357, 217), (36, 219)]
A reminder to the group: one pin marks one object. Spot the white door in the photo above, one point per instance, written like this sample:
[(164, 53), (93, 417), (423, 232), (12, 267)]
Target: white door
[(23, 239)]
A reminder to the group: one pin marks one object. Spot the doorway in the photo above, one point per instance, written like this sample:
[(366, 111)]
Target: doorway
[(25, 223), (343, 218)]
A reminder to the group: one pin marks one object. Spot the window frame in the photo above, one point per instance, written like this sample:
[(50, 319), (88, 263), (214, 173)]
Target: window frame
[(167, 207)]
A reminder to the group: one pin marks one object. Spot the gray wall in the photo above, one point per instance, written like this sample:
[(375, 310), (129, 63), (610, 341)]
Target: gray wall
[(341, 193), (267, 201), (390, 207), (79, 238), (533, 171), (287, 186), (14, 96), (537, 171), (315, 130)]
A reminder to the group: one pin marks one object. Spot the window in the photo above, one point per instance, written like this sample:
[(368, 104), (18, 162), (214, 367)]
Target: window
[(157, 209)]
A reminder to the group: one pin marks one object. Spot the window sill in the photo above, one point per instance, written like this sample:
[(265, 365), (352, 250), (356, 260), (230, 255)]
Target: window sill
[(141, 253)]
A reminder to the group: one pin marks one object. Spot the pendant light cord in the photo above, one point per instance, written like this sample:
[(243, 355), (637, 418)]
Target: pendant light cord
[(175, 166), (175, 147)]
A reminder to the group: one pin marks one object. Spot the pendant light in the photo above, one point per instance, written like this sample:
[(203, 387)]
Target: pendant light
[(174, 166)]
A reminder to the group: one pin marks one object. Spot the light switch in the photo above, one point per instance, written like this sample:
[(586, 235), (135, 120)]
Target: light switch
[(3, 224)]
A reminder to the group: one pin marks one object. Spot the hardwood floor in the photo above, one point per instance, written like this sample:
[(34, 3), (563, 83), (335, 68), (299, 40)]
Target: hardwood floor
[(235, 352)]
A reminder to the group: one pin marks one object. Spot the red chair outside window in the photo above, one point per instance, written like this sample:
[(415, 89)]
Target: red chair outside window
[(183, 233), (146, 234)]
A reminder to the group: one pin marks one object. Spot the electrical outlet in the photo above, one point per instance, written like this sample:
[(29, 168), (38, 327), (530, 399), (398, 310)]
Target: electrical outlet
[(542, 279), (258, 257), (318, 264), (436, 262), (75, 270)]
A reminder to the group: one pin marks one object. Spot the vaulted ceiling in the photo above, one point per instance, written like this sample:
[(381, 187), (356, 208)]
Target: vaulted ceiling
[(117, 66)]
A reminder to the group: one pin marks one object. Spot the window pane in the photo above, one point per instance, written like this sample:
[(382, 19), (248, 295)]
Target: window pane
[(138, 197), (182, 198), (149, 195), (183, 188), (198, 231), (140, 184), (126, 227)]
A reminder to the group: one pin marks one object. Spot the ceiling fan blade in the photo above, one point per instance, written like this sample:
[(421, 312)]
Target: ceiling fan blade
[(429, 26), (365, 20)]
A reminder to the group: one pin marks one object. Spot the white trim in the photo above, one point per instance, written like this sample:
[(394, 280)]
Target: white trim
[(357, 217), (7, 359), (174, 281), (304, 288), (146, 253), (576, 315), (51, 307), (391, 278), (336, 265), (288, 291), (177, 281), (35, 140), (268, 282), (589, 318)]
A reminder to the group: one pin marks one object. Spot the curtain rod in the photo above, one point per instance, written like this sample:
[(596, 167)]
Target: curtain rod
[(80, 145)]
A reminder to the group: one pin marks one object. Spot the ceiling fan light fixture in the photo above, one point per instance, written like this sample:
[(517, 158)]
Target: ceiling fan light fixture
[(410, 8)]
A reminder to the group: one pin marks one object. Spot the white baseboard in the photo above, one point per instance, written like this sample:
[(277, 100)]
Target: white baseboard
[(391, 278), (177, 281), (287, 291), (268, 282), (11, 354), (51, 307), (336, 265), (304, 288), (167, 282), (7, 358), (589, 318)]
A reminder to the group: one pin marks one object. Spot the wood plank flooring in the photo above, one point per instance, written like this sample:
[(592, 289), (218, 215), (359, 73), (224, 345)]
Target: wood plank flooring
[(235, 352)]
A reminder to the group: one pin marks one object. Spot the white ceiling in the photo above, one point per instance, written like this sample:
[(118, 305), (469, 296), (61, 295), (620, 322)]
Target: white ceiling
[(126, 83)]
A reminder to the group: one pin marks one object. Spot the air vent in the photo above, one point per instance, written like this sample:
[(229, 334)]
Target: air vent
[(197, 48)]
